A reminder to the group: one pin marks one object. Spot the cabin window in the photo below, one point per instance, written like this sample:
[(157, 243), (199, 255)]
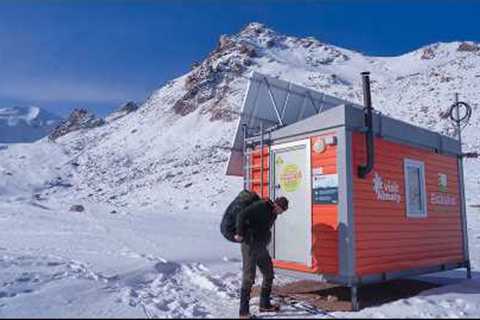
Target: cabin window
[(415, 195)]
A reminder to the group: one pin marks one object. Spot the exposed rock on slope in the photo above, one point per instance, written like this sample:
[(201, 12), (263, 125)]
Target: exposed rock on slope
[(122, 111), (211, 79), (173, 149), (78, 119), (469, 47)]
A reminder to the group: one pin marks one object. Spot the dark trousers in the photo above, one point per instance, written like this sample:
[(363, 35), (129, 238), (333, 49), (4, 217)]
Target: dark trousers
[(255, 255)]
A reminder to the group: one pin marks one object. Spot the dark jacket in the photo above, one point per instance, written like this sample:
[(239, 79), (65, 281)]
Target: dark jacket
[(255, 221)]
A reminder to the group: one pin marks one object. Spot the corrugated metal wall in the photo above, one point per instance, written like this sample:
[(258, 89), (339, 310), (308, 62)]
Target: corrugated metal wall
[(386, 239)]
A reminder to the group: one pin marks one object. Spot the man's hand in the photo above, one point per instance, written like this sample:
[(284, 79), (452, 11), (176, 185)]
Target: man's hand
[(238, 238)]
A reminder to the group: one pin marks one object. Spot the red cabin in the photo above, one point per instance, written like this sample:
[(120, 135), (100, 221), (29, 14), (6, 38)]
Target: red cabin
[(346, 224)]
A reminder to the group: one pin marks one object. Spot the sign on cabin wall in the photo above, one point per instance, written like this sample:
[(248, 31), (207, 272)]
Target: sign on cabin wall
[(325, 187), (386, 189), (442, 197), (290, 177)]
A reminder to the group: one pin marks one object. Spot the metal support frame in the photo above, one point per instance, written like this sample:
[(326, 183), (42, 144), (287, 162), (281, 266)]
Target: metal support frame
[(302, 111), (248, 177), (261, 158), (284, 108), (354, 298), (346, 216), (272, 98), (245, 158), (271, 191), (317, 110), (248, 156)]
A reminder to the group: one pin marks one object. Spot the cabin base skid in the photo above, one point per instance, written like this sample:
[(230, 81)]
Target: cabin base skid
[(355, 282)]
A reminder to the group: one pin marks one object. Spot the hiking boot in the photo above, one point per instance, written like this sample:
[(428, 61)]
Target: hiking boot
[(270, 308), (244, 312), (265, 301)]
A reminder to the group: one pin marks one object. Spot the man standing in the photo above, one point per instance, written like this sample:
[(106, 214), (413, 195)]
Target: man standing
[(253, 230)]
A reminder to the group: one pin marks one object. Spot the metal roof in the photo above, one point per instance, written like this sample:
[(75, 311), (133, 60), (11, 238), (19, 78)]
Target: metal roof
[(275, 103), (292, 110), (352, 117)]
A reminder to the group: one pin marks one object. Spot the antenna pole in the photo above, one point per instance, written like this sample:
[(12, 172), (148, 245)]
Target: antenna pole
[(459, 129)]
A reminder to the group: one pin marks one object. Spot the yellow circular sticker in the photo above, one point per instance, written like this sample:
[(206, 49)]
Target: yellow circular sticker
[(290, 178)]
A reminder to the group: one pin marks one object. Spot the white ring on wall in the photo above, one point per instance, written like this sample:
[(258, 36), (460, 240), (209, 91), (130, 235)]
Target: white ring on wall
[(319, 146)]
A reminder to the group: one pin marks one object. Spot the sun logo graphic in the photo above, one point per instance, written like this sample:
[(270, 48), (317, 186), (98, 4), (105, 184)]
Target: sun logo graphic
[(290, 178)]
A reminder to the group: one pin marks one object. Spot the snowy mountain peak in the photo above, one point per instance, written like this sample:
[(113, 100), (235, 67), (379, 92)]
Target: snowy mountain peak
[(25, 124), (179, 139), (265, 39), (255, 27), (211, 81), (257, 30), (13, 115)]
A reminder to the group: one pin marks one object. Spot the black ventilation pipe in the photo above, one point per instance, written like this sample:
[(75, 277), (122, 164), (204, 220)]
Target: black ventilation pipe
[(363, 171)]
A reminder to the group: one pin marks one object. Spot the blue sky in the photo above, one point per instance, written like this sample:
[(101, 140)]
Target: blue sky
[(99, 54)]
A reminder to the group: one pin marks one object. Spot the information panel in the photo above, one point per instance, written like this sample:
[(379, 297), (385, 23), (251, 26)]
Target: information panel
[(325, 188)]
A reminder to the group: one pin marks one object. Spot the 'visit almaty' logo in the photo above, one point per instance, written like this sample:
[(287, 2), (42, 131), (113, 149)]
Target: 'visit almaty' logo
[(386, 190)]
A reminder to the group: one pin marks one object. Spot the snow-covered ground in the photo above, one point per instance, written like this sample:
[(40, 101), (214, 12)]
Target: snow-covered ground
[(58, 263), (153, 188)]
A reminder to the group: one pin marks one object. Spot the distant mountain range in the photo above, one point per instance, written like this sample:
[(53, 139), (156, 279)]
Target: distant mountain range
[(172, 151), (25, 124)]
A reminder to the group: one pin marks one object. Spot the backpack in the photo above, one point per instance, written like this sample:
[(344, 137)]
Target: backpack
[(229, 221)]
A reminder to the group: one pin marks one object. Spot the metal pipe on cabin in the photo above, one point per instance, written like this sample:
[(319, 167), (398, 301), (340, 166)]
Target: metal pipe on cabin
[(364, 170), (269, 183), (261, 158)]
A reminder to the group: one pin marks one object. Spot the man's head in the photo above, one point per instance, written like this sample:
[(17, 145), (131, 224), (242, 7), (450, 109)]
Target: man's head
[(280, 205)]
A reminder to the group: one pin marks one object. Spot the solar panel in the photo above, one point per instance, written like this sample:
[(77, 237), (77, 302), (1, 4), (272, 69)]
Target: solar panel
[(274, 102)]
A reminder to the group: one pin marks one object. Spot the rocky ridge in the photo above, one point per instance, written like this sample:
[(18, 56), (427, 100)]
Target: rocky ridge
[(79, 119), (172, 151)]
